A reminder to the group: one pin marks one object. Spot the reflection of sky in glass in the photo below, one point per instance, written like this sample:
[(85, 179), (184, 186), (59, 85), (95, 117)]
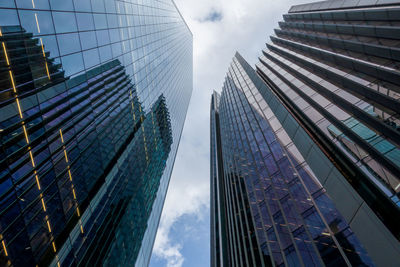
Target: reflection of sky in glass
[(72, 64), (8, 17), (60, 19), (28, 4), (91, 105)]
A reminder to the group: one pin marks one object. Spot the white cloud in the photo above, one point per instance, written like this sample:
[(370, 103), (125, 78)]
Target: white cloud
[(244, 26)]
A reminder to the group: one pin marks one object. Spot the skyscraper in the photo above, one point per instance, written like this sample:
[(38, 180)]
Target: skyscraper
[(324, 99), (269, 206), (93, 99)]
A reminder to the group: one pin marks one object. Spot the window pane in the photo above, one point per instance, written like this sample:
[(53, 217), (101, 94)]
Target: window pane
[(98, 6), (72, 64), (102, 37), (88, 40), (82, 5), (7, 3), (60, 24), (105, 53), (8, 17), (68, 43), (36, 22), (85, 21), (100, 21), (91, 58), (39, 4), (63, 5), (50, 45)]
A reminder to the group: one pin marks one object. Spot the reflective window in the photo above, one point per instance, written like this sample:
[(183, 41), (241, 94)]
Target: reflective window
[(8, 17), (112, 20), (85, 21), (64, 5), (72, 64), (91, 58), (59, 22), (100, 21), (68, 43), (88, 40), (50, 45), (105, 53), (36, 22), (98, 6), (39, 4), (110, 7), (102, 37), (82, 5), (114, 35)]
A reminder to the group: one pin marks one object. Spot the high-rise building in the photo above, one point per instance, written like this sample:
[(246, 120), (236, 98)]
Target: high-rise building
[(268, 207), (322, 108), (93, 98)]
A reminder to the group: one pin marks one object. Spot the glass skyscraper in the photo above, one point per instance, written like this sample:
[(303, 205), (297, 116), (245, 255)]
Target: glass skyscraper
[(93, 98), (315, 127)]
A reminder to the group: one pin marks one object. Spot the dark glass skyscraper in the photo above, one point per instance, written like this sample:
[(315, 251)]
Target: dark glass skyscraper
[(322, 110), (93, 98), (268, 206)]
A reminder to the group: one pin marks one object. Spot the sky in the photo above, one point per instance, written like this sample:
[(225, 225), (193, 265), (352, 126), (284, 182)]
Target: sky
[(220, 28)]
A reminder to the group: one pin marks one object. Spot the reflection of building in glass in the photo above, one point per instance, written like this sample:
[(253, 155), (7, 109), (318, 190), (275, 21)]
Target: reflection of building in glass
[(329, 87), (268, 208), (127, 196), (84, 164)]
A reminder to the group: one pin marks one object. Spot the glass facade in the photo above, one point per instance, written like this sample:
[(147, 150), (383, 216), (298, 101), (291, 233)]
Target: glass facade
[(93, 99), (268, 207), (335, 66)]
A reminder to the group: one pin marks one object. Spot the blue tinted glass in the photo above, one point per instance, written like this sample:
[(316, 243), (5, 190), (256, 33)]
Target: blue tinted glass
[(64, 5), (50, 45), (88, 40), (8, 17), (123, 33), (5, 185), (98, 6), (100, 21), (68, 43), (121, 7), (91, 58), (394, 155), (72, 64), (73, 76), (82, 5), (85, 21), (114, 35), (110, 7), (39, 4), (36, 22), (102, 37), (105, 53), (112, 20), (116, 49), (60, 24), (7, 3)]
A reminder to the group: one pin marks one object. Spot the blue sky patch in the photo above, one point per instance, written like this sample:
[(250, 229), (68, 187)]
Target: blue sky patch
[(213, 16)]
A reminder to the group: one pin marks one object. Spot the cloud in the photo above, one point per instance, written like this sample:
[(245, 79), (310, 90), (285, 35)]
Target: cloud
[(244, 26), (188, 194), (164, 249), (213, 16)]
